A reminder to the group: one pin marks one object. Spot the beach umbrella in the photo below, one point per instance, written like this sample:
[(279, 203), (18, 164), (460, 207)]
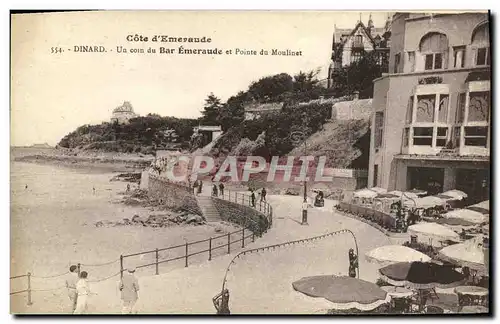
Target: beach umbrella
[(395, 253), (426, 202), (421, 275), (446, 198), (482, 207), (418, 192), (433, 231), (365, 193), (378, 190), (453, 221), (468, 215), (467, 254), (404, 194), (387, 196), (457, 194), (343, 292), (476, 309)]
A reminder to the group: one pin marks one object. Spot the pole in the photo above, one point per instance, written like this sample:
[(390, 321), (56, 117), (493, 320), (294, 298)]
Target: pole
[(210, 249), (228, 243), (253, 236), (186, 254), (243, 238), (121, 266), (157, 272), (29, 289)]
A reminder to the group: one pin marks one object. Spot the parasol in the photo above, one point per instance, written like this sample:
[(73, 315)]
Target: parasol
[(396, 253), (456, 194), (344, 292), (467, 254), (474, 309), (421, 275), (387, 196), (426, 202), (433, 231), (482, 207), (404, 194), (378, 190), (418, 192), (365, 193), (454, 221), (468, 215)]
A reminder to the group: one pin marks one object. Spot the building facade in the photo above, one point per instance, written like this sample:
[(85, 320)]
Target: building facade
[(431, 114), (123, 113), (350, 45)]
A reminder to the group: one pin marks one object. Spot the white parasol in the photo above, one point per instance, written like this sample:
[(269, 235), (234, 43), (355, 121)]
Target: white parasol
[(378, 190), (468, 215), (365, 193), (467, 254), (434, 231), (457, 194), (426, 202), (388, 254)]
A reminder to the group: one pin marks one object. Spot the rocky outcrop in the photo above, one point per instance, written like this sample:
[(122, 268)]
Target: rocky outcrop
[(156, 220)]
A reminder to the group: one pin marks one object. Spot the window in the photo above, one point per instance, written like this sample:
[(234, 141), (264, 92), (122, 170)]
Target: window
[(358, 41), (461, 108), (425, 108), (375, 175), (443, 108), (476, 136), (434, 47), (406, 136), (479, 104), (397, 61), (442, 136), (356, 55), (482, 57), (409, 111), (411, 61), (379, 128), (456, 137), (459, 56), (481, 42), (422, 136)]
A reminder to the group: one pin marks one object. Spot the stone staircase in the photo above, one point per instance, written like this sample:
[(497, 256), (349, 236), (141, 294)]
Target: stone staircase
[(208, 209)]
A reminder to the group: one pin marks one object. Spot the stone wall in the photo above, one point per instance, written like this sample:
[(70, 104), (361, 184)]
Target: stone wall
[(242, 215), (173, 195)]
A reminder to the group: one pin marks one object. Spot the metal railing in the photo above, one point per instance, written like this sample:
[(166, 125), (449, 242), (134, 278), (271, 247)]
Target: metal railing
[(259, 205)]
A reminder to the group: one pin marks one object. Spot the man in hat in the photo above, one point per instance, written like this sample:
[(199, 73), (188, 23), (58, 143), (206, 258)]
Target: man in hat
[(129, 287)]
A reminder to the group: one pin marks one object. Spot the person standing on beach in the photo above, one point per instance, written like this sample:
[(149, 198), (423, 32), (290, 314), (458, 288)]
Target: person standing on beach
[(83, 291), (129, 287), (71, 281), (128, 187)]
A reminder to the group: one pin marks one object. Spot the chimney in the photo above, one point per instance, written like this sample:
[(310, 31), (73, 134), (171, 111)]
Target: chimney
[(355, 95)]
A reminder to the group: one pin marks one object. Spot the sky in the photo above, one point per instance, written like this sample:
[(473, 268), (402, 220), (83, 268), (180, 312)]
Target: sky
[(54, 93)]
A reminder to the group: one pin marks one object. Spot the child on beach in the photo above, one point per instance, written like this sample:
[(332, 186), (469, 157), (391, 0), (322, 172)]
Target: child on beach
[(129, 287)]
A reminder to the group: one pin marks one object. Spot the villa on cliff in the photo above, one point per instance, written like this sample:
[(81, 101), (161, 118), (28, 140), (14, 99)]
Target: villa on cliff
[(122, 114)]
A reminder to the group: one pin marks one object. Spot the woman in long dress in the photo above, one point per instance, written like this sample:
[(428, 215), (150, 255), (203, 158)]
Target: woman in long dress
[(83, 291)]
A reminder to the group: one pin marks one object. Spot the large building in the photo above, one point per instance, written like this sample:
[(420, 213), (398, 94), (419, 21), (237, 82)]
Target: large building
[(431, 113), (350, 45), (123, 113)]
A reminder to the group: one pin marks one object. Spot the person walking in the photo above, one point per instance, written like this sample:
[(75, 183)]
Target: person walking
[(129, 287), (263, 194), (252, 197), (83, 291), (71, 281), (221, 189), (214, 190), (128, 187), (200, 187)]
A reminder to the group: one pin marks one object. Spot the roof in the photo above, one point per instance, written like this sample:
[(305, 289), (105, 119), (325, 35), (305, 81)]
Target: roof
[(262, 107), (354, 109), (126, 107), (443, 157)]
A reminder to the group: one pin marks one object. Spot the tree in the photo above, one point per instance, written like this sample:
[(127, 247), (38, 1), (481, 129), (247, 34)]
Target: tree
[(211, 110), (271, 88), (232, 113), (358, 76)]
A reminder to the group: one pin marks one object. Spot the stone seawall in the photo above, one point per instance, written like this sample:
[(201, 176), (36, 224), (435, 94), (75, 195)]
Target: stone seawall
[(242, 215), (173, 195)]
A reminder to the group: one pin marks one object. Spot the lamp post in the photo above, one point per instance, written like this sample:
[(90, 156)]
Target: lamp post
[(305, 204)]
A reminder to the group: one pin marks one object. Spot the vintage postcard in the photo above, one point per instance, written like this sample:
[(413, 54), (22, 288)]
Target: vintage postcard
[(250, 162)]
